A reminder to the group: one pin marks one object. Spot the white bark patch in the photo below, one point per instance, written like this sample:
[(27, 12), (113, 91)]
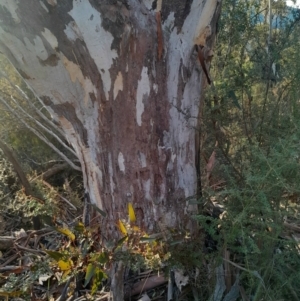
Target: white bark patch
[(147, 187), (97, 40), (50, 37), (148, 3), (167, 28), (121, 162), (180, 279), (203, 29), (91, 121), (155, 88), (52, 2), (142, 159), (95, 190), (143, 91), (173, 64), (185, 160), (118, 85), (173, 157), (12, 6), (44, 6), (72, 32), (89, 164)]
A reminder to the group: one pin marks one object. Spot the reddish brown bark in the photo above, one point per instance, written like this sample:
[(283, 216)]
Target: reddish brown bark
[(129, 111)]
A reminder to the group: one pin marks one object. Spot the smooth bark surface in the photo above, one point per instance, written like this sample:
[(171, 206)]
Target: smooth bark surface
[(130, 115)]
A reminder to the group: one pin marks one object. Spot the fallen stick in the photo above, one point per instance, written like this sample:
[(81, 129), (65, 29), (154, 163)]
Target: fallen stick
[(145, 285), (6, 242)]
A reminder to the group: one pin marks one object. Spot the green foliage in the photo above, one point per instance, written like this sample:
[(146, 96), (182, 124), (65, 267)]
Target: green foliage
[(8, 179), (19, 283), (80, 254), (252, 115)]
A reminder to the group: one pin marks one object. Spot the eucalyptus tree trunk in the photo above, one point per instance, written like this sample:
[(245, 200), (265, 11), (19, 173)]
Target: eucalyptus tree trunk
[(123, 80)]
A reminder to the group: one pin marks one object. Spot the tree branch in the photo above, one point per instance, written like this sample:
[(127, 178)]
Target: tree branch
[(44, 128), (41, 137)]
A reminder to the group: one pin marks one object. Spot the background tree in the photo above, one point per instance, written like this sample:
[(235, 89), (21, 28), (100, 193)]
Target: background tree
[(250, 137)]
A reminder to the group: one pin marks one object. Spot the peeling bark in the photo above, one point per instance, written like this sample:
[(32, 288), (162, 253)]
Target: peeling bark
[(129, 116)]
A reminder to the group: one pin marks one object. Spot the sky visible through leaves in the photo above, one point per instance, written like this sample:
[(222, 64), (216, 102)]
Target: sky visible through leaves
[(291, 3)]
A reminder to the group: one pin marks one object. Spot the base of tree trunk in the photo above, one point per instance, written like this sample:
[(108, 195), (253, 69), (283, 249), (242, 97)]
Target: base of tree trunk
[(117, 282)]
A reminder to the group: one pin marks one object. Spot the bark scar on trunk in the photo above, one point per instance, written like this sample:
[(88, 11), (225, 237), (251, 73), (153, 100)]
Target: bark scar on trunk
[(160, 42), (202, 62)]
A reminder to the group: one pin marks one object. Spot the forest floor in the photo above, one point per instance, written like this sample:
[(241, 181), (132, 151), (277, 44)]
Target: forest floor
[(52, 264)]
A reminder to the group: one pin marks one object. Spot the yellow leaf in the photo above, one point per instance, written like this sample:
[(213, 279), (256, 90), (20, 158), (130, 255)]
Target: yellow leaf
[(65, 274), (122, 228), (10, 294), (65, 265), (136, 229), (66, 232), (79, 227), (132, 217)]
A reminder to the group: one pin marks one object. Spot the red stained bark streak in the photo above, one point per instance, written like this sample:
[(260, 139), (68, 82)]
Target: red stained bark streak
[(160, 43), (121, 133), (202, 62)]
